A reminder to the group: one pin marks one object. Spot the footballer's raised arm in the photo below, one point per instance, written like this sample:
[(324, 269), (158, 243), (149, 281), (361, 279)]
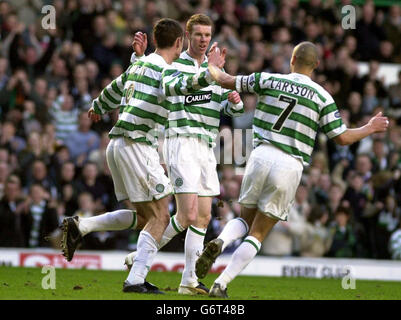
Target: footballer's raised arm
[(249, 84), (110, 97), (139, 44), (378, 123), (223, 79)]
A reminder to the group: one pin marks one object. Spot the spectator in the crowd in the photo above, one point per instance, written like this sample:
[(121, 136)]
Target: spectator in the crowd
[(388, 219), (335, 197), (29, 55), (3, 73), (68, 187), (395, 97), (354, 105), (81, 142), (355, 196), (279, 242), (106, 52), (312, 181), (57, 72), (363, 166), (11, 207), (40, 219), (38, 96), (370, 99), (38, 174), (92, 183), (315, 238), (9, 158), (60, 155), (386, 52), (9, 139), (67, 176), (29, 122), (4, 173), (379, 157), (368, 33), (81, 95), (392, 29), (298, 216), (92, 73), (65, 116), (373, 77), (32, 152), (344, 243), (98, 155)]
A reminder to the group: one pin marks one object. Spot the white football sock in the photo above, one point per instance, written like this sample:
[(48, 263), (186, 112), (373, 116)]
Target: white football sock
[(193, 248), (147, 248), (171, 231), (233, 230), (239, 260), (109, 221)]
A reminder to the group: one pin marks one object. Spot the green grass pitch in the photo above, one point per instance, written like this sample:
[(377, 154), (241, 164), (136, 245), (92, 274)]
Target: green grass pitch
[(26, 284)]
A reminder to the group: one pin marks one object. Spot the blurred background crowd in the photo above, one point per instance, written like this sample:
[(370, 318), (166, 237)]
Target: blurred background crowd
[(52, 158)]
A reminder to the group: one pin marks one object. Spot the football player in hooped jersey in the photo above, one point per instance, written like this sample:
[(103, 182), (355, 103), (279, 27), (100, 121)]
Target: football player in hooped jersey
[(289, 112), (191, 132), (132, 154)]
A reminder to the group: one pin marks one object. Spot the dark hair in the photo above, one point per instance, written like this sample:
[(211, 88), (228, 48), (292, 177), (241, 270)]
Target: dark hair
[(316, 213), (166, 31), (342, 209)]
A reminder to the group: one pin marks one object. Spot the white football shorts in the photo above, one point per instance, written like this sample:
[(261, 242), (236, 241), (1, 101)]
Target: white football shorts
[(191, 166), (136, 171), (270, 181)]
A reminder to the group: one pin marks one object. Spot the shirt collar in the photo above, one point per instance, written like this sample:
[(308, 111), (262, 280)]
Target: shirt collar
[(186, 55)]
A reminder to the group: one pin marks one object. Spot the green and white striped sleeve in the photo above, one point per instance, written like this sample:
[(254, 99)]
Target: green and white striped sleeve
[(135, 58), (250, 84), (110, 97), (231, 109), (330, 119), (176, 83)]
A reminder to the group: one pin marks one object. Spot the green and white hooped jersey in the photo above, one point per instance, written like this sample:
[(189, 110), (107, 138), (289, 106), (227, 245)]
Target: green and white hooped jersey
[(197, 114), (140, 93), (290, 110)]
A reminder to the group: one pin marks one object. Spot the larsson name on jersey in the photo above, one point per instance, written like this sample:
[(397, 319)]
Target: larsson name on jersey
[(198, 98), (291, 87)]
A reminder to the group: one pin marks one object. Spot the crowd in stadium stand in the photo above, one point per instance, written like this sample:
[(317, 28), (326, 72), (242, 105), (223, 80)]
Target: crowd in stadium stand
[(52, 158)]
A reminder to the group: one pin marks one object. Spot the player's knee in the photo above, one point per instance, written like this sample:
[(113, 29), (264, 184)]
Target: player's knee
[(188, 217), (204, 220)]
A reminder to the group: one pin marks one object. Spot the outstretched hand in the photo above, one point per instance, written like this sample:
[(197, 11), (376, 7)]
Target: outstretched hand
[(379, 123), (93, 116), (140, 43), (217, 57)]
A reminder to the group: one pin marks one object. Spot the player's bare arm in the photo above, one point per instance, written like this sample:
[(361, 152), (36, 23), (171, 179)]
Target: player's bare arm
[(223, 79), (378, 123)]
